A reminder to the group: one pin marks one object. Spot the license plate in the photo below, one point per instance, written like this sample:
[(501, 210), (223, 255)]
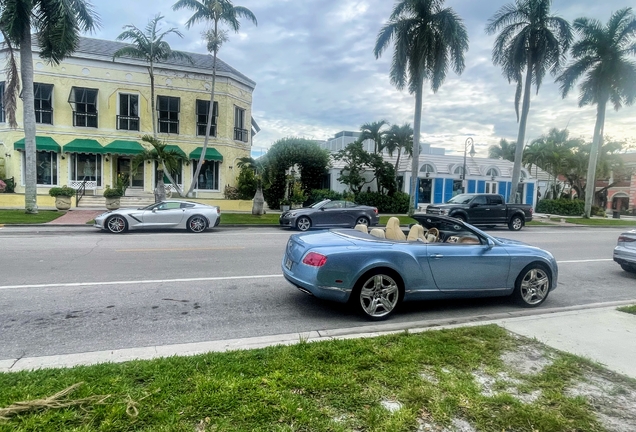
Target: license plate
[(288, 264)]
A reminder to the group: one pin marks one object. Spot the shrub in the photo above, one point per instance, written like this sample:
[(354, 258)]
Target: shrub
[(397, 203), (10, 185), (3, 186), (598, 211), (231, 193), (63, 191), (317, 195), (247, 184), (113, 192), (561, 207), (298, 195)]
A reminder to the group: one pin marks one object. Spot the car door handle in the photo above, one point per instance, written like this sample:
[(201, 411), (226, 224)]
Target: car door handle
[(437, 256)]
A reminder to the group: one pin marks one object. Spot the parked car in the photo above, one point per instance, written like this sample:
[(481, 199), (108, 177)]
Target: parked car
[(195, 217), (484, 209), (376, 274), (625, 251), (328, 213)]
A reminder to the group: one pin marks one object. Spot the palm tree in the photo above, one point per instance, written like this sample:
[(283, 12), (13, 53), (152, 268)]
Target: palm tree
[(399, 138), (259, 169), (148, 45), (601, 56), (504, 150), (168, 161), (554, 152), (58, 24), (428, 39), (373, 132), (529, 39), (215, 12)]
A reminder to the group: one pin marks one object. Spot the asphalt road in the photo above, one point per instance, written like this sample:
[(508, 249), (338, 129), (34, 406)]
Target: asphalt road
[(70, 290)]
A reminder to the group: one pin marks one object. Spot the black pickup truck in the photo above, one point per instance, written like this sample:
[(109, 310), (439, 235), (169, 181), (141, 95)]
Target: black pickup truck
[(484, 209)]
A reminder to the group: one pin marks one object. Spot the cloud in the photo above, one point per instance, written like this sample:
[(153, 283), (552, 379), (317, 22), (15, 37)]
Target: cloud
[(316, 73)]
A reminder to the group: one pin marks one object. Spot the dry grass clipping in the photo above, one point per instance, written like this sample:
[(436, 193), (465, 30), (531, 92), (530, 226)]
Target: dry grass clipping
[(50, 402)]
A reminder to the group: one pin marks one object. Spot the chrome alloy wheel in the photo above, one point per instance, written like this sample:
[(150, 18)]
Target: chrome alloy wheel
[(116, 224), (303, 223), (535, 286), (362, 221), (379, 295), (197, 224)]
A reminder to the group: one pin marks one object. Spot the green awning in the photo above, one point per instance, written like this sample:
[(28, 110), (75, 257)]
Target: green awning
[(177, 149), (210, 154), (41, 144), (124, 147), (82, 145)]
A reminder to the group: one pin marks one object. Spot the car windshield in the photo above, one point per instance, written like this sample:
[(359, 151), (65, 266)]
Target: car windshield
[(149, 207), (460, 199), (319, 203)]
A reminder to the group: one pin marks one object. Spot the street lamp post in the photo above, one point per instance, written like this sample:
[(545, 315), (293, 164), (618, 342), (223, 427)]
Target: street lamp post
[(469, 140)]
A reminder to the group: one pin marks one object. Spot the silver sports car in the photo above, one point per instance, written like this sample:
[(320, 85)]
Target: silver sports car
[(194, 217), (442, 258), (625, 251)]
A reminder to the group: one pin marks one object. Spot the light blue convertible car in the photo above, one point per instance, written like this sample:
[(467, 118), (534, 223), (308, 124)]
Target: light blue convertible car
[(441, 258)]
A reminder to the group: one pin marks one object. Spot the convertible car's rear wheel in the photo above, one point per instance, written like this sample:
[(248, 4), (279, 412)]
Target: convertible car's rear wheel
[(362, 221), (197, 224), (377, 294), (532, 286), (116, 224), (303, 223), (515, 223)]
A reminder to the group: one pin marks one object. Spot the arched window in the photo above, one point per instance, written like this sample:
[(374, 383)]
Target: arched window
[(427, 168), (459, 170), (492, 172)]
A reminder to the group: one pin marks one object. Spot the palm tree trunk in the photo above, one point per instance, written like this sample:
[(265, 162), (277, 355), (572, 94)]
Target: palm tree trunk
[(591, 166), (208, 127), (525, 109), (415, 163), (167, 173), (153, 111), (397, 163), (28, 106)]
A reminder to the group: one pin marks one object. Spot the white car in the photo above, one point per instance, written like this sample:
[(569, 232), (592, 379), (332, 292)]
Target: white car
[(625, 251), (195, 217)]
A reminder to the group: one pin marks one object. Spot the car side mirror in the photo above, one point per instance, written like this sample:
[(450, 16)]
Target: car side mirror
[(491, 244), (473, 205), (154, 210), (322, 209)]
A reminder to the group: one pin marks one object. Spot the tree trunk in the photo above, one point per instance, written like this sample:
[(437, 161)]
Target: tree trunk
[(160, 189), (591, 166), (525, 109), (195, 177), (259, 201), (415, 163), (28, 107), (153, 111), (167, 174)]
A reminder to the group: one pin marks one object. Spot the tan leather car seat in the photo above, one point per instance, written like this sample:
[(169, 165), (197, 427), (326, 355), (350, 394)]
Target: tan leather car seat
[(416, 233), (377, 232), (393, 230), (362, 228)]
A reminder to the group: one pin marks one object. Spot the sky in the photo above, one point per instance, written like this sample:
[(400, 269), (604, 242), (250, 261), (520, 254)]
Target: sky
[(316, 74)]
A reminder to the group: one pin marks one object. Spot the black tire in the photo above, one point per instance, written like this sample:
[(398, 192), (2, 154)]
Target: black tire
[(629, 268), (362, 220), (303, 223), (460, 217), (197, 224), (373, 285), (532, 285), (116, 224), (516, 223)]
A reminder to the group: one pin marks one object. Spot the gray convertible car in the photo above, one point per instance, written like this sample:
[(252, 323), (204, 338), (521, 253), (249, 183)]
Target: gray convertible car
[(195, 217), (440, 259), (625, 251), (328, 213)]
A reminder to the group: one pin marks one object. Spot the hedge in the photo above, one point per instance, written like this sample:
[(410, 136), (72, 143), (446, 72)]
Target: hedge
[(398, 203)]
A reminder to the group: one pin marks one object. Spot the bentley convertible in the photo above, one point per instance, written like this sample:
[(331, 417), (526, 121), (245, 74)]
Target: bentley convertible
[(440, 258), (195, 217)]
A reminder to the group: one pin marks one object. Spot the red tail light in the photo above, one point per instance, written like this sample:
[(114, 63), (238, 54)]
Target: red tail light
[(315, 259), (375, 210), (625, 239)]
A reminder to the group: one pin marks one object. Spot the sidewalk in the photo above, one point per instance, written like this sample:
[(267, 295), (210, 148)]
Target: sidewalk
[(597, 332)]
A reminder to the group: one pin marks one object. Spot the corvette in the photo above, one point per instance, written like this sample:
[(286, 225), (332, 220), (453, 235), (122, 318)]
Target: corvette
[(449, 259), (195, 217)]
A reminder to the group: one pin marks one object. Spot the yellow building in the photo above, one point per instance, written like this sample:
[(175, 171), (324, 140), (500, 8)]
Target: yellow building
[(91, 113)]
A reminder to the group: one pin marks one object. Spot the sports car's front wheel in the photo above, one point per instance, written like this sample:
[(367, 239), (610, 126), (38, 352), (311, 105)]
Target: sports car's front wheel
[(197, 224), (532, 286), (377, 294), (303, 223), (116, 224)]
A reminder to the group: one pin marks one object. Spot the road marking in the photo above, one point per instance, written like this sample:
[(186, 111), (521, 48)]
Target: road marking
[(179, 249), (584, 261), (153, 281)]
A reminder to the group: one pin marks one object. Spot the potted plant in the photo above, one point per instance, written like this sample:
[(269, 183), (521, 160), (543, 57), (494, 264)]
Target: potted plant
[(298, 195), (113, 196), (285, 204), (62, 196)]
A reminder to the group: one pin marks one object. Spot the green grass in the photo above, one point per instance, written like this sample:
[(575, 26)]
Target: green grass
[(599, 222), (628, 309), (335, 385), (20, 217)]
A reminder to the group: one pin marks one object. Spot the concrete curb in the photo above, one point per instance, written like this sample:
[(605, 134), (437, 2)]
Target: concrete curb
[(372, 330)]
